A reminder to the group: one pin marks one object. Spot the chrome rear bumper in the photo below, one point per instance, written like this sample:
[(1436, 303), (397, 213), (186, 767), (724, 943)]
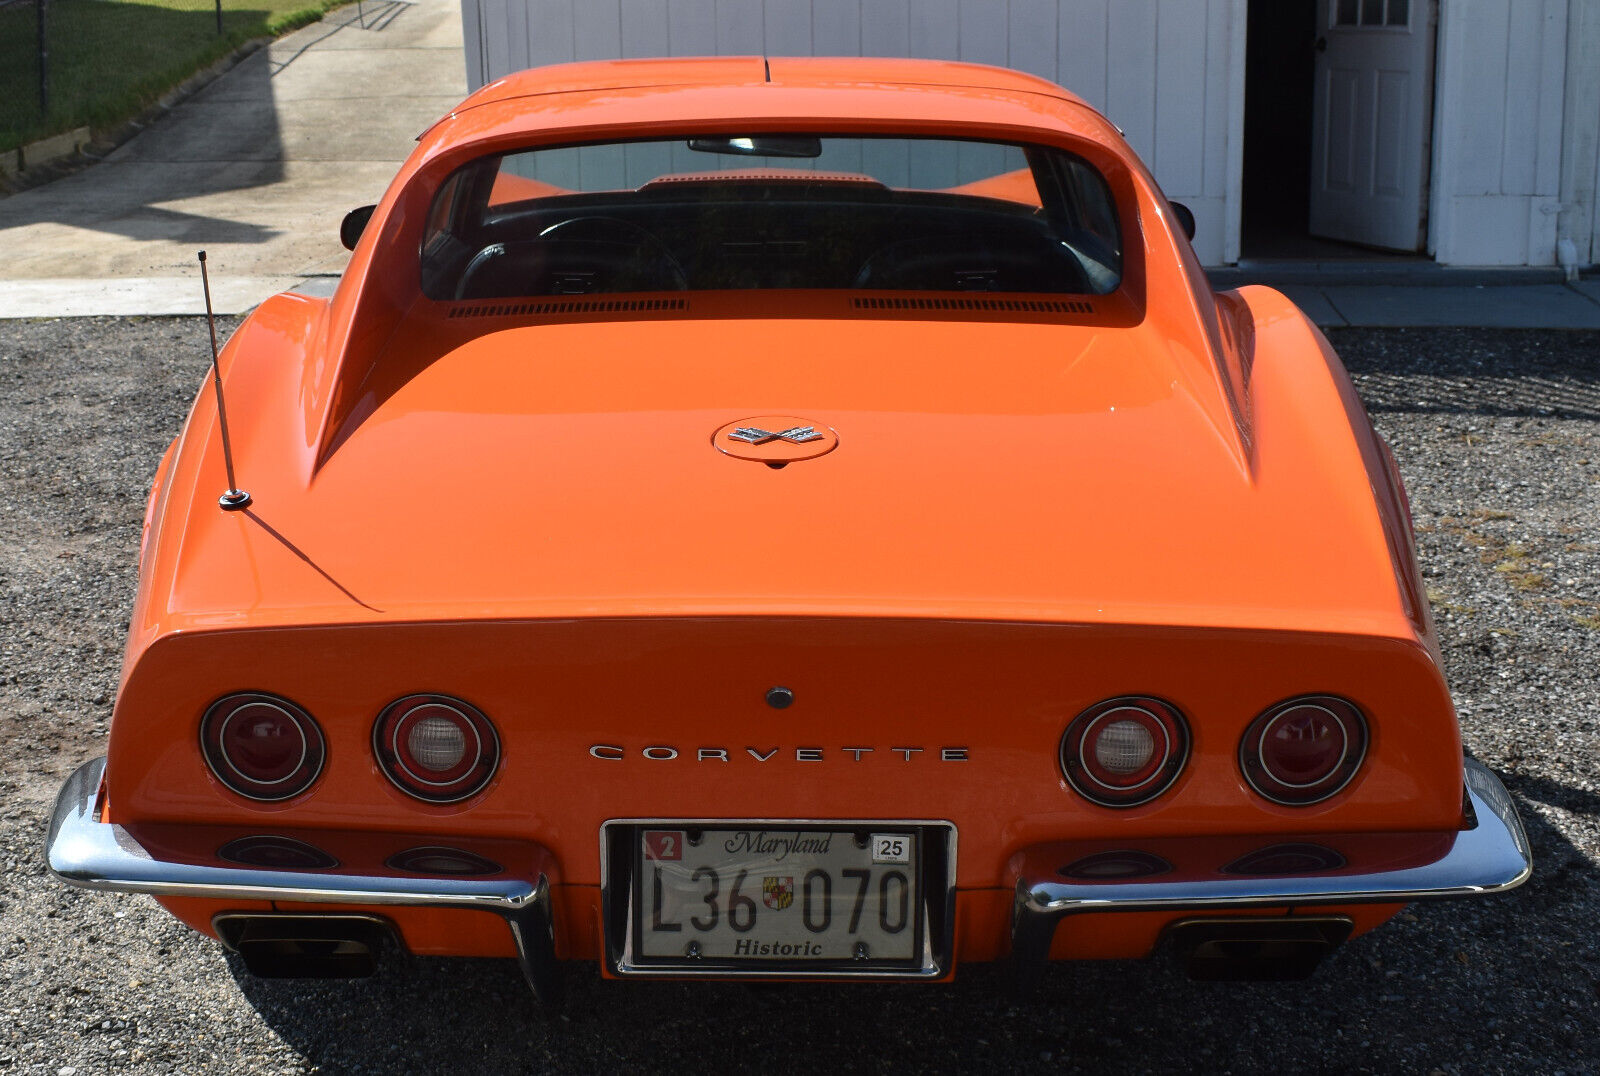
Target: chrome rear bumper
[(85, 852), (1490, 856)]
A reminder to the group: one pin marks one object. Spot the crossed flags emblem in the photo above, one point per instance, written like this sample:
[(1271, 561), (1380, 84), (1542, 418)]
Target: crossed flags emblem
[(755, 435)]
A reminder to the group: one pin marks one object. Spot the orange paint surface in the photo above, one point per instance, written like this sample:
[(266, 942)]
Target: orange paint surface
[(1027, 507), (1015, 186), (510, 187)]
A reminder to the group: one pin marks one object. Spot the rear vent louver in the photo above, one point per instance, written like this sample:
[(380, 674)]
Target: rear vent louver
[(1021, 306), (560, 307)]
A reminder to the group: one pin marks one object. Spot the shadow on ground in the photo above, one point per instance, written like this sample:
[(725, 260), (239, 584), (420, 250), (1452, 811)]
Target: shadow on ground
[(227, 137), (103, 60), (1398, 998), (187, 153), (1507, 983), (1445, 987), (1449, 371)]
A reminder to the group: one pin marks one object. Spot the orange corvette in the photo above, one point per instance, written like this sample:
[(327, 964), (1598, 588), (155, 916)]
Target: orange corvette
[(780, 518)]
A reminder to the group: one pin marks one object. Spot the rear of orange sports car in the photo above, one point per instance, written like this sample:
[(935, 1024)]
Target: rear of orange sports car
[(791, 518)]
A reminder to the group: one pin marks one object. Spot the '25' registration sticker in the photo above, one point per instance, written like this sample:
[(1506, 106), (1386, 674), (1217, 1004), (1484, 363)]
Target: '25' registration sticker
[(663, 844), (891, 848)]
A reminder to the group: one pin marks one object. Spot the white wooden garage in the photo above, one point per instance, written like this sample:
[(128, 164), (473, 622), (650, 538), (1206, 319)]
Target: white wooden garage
[(1468, 130)]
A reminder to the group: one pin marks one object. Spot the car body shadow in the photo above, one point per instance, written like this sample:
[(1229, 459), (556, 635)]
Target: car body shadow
[(1399, 997)]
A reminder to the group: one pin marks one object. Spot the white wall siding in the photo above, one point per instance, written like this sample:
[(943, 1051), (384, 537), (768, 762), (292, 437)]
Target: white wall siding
[(1516, 137), (1580, 132), (1496, 193), (1169, 72)]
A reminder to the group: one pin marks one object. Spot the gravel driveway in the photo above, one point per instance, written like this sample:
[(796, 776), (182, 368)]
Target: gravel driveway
[(1498, 434)]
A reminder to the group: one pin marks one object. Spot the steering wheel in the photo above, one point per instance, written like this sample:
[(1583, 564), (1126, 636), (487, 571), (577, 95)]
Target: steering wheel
[(652, 260), (475, 268), (576, 256)]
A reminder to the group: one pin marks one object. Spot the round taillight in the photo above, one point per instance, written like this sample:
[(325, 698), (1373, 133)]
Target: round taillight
[(1304, 750), (436, 748), (261, 746), (1124, 752)]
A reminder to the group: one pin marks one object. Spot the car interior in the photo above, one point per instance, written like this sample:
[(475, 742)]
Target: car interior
[(943, 219)]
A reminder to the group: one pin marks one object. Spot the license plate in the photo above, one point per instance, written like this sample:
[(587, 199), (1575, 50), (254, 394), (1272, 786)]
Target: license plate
[(778, 896)]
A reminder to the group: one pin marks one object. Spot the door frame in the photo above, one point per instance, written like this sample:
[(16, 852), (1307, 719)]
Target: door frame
[(1434, 153)]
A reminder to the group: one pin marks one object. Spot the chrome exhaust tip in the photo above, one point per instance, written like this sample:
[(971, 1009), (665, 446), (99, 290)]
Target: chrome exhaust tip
[(1267, 949), (298, 946)]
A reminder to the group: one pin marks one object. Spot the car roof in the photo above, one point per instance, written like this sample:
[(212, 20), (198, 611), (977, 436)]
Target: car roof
[(636, 98), (788, 71)]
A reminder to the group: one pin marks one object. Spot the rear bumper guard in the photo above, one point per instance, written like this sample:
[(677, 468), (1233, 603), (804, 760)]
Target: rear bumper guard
[(85, 852), (1490, 856)]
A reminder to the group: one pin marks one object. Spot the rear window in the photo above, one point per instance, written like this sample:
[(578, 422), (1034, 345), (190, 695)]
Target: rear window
[(773, 211)]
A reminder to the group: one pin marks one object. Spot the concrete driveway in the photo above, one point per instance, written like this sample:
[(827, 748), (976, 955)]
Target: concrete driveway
[(257, 169)]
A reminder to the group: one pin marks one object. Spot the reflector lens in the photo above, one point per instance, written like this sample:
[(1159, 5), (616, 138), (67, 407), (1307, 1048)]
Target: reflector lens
[(279, 853), (1304, 750), (1123, 752), (261, 746), (1116, 866), (439, 860), (1286, 859), (436, 748)]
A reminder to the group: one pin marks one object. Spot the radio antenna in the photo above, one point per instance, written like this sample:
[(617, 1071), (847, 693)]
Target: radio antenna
[(235, 498)]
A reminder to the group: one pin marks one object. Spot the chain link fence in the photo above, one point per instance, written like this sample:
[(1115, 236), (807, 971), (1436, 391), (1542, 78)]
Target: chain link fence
[(66, 64)]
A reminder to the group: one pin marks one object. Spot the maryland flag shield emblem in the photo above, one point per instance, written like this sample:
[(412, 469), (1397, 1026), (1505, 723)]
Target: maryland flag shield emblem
[(777, 893)]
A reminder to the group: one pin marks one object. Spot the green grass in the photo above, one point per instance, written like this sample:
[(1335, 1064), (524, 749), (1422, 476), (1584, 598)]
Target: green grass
[(111, 59)]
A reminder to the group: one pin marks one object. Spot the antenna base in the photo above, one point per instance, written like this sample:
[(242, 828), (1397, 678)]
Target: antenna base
[(233, 500)]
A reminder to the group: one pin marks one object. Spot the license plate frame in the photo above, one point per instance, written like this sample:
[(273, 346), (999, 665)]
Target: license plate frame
[(625, 901)]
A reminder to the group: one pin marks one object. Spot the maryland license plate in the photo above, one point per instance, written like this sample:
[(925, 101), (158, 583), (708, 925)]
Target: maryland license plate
[(778, 896)]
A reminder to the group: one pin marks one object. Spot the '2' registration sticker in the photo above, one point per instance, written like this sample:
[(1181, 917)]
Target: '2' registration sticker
[(663, 844)]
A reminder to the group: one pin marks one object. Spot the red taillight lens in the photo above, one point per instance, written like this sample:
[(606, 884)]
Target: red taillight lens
[(436, 748), (1123, 752), (1304, 750), (261, 746)]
